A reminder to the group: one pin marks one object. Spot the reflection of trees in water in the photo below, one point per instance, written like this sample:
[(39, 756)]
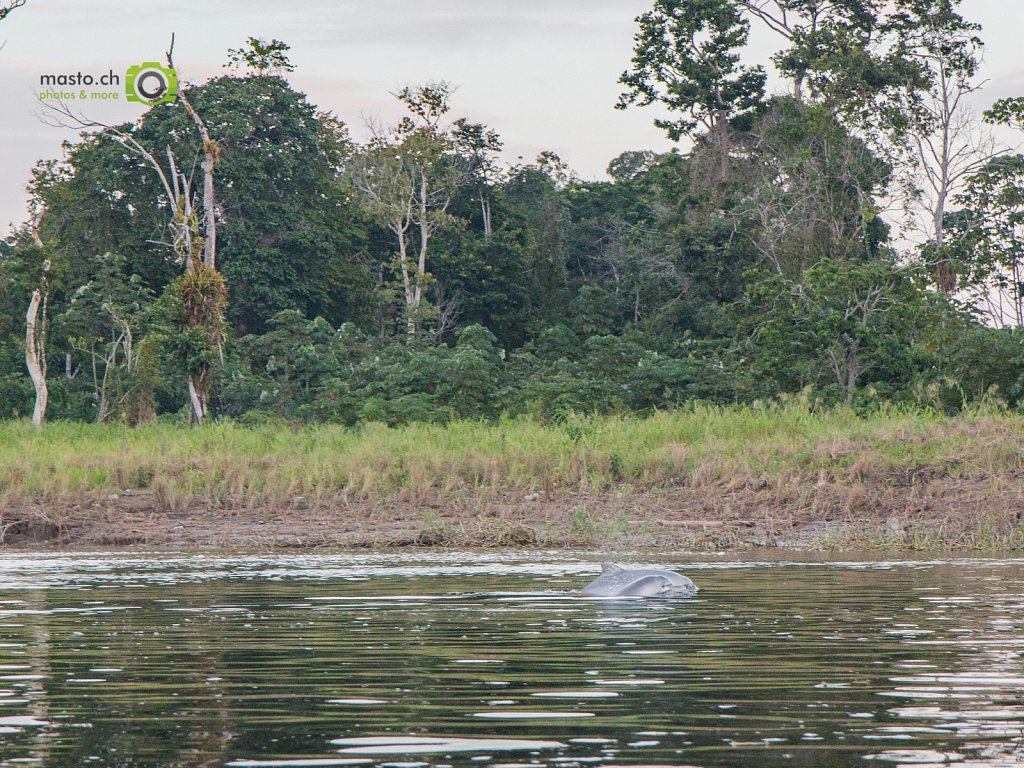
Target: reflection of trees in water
[(244, 668), (166, 705), (182, 672), (966, 679), (208, 719), (38, 653)]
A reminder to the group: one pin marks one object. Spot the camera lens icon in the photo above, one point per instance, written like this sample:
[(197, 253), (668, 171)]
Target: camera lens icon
[(151, 84)]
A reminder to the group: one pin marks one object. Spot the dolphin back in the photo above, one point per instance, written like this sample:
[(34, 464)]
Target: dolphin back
[(616, 581)]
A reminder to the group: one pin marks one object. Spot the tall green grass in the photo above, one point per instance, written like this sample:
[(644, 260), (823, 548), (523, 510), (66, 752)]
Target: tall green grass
[(228, 463)]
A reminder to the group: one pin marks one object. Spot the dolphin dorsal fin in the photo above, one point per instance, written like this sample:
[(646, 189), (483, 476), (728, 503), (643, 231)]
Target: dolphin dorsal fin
[(610, 568)]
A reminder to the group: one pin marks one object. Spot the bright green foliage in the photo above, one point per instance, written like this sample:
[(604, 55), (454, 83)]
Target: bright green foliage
[(228, 462), (842, 326), (263, 57)]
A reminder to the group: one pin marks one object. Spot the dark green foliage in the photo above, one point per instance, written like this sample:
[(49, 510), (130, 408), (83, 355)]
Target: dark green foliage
[(986, 249), (755, 264), (287, 370), (686, 56), (435, 384), (814, 192), (307, 370), (987, 363), (288, 236)]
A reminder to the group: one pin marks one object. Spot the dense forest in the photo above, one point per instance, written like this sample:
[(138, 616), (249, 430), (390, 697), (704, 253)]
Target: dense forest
[(235, 253)]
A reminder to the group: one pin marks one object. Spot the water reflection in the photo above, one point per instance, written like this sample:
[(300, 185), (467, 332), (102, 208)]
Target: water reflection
[(461, 659), (967, 682)]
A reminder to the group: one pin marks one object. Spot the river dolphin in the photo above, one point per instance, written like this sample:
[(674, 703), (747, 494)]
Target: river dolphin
[(616, 581)]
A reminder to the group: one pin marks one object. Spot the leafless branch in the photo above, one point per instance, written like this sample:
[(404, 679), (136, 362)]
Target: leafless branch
[(176, 185), (449, 308), (9, 6), (211, 151)]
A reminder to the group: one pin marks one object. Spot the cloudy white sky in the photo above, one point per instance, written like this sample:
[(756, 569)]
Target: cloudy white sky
[(542, 72)]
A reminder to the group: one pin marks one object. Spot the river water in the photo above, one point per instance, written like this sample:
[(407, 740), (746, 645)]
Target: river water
[(423, 660)]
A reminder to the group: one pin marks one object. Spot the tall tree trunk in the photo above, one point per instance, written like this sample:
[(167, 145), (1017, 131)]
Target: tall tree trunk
[(407, 285), (945, 278), (197, 399), (209, 200), (421, 262), (35, 356), (35, 332), (421, 266), (199, 383), (197, 386), (210, 152), (852, 366), (722, 129), (485, 211)]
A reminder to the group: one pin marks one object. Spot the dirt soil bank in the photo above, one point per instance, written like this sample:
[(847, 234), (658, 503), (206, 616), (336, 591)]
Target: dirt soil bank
[(915, 513)]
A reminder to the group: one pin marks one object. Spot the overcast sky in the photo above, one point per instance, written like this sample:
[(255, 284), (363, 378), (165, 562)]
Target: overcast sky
[(541, 72)]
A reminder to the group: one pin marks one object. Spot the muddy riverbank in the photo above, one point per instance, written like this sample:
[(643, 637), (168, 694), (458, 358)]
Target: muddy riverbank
[(942, 513), (701, 479)]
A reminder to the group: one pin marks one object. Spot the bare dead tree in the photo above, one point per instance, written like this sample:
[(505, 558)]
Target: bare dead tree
[(211, 150), (176, 185), (35, 330), (844, 358), (956, 149), (952, 146), (183, 221), (449, 308), (406, 178)]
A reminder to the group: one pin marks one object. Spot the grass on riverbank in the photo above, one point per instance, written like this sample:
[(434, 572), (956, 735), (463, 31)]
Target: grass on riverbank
[(222, 462), (720, 450)]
